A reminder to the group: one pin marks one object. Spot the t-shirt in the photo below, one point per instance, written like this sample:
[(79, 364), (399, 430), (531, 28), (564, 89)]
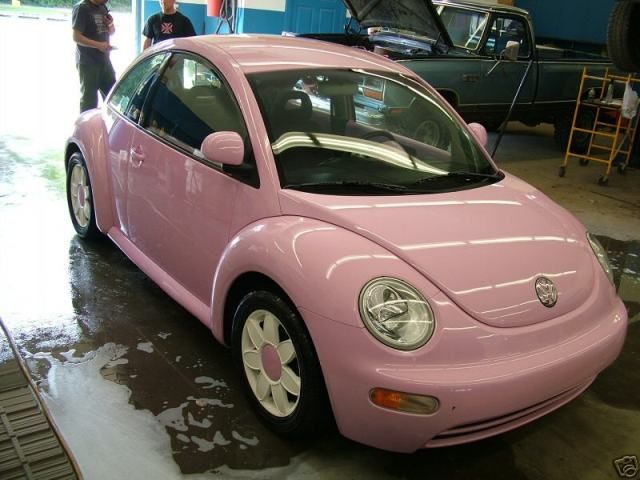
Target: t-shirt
[(161, 26), (90, 20)]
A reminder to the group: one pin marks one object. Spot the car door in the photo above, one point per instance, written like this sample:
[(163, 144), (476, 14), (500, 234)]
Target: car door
[(498, 84), (123, 114), (180, 205)]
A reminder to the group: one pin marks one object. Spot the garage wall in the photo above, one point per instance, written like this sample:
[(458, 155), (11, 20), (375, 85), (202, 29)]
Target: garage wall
[(577, 21)]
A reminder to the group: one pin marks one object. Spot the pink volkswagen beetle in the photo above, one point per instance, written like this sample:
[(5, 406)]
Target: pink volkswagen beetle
[(327, 215)]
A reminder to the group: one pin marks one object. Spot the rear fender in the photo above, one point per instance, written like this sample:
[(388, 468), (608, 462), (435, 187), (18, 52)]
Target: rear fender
[(321, 267), (90, 139)]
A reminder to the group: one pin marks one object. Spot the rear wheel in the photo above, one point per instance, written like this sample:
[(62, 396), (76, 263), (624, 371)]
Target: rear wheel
[(585, 120), (277, 361), (80, 199)]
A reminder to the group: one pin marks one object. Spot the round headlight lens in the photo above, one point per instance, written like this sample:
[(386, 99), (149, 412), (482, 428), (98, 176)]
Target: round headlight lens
[(396, 313), (601, 255)]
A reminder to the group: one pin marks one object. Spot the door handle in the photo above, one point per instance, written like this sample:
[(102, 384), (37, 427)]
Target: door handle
[(137, 156), (468, 77)]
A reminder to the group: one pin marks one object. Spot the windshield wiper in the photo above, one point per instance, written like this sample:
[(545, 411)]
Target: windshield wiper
[(460, 175), (350, 185)]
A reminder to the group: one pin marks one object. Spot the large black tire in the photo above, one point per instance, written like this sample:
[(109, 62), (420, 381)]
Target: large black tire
[(580, 144), (623, 35), (265, 323), (80, 199)]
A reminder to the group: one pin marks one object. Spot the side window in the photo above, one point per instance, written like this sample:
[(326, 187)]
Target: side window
[(504, 30), (190, 102), (128, 97)]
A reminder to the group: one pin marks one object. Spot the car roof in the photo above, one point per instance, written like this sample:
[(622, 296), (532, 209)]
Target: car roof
[(261, 53), (483, 5)]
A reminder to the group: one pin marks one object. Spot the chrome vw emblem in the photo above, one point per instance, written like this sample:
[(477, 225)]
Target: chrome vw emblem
[(547, 292)]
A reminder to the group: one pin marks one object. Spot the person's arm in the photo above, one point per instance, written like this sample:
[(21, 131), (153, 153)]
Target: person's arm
[(80, 39), (147, 43), (110, 25)]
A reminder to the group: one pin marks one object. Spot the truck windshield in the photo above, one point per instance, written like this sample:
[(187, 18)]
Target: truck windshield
[(363, 132), (465, 27)]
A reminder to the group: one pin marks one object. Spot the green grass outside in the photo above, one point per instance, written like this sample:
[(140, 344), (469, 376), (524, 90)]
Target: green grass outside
[(32, 10), (44, 11)]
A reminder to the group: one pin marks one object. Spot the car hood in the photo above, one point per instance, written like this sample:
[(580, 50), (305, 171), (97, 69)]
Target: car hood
[(483, 247), (417, 16)]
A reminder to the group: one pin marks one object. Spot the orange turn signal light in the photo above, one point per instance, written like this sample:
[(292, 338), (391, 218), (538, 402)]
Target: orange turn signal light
[(404, 402)]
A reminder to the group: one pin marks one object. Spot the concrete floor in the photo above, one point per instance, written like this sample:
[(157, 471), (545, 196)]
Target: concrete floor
[(140, 390)]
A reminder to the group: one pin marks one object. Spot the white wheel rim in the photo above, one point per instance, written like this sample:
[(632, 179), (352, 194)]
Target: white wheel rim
[(80, 196), (263, 334)]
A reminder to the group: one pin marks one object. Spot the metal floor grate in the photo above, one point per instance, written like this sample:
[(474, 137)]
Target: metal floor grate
[(30, 448)]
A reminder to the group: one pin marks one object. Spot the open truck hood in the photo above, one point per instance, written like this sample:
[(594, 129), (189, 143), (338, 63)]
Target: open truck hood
[(416, 16)]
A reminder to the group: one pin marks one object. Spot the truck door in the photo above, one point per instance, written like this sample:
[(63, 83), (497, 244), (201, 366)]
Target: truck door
[(497, 86), (315, 16)]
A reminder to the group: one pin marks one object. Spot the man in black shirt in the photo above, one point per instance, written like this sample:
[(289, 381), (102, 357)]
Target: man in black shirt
[(92, 25), (167, 24)]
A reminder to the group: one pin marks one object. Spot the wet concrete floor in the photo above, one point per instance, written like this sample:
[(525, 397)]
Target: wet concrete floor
[(141, 390), (71, 303)]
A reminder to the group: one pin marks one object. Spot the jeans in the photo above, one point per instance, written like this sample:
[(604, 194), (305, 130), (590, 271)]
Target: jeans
[(94, 78)]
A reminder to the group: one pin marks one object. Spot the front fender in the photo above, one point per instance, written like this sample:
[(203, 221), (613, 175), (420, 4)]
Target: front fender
[(90, 136), (320, 266)]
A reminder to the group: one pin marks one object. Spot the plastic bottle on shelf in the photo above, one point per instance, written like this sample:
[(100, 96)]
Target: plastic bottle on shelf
[(609, 96)]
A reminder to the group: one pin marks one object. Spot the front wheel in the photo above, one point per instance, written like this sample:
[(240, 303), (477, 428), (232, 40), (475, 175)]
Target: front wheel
[(277, 361), (80, 199)]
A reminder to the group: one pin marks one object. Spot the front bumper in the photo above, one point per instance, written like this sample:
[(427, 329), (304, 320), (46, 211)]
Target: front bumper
[(488, 380)]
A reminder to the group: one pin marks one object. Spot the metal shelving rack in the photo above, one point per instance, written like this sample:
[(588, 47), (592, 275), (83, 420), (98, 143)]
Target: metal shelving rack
[(607, 138)]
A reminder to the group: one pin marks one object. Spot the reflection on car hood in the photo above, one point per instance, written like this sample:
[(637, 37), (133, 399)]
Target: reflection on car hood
[(418, 16), (484, 247)]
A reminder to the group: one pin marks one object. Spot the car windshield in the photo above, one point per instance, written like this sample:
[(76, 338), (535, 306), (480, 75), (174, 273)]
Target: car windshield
[(355, 132), (465, 27)]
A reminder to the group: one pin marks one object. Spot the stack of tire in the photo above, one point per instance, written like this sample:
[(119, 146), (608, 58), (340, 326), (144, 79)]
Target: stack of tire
[(623, 38), (624, 35)]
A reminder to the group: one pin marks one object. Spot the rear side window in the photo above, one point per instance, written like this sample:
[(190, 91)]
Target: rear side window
[(128, 96), (190, 102)]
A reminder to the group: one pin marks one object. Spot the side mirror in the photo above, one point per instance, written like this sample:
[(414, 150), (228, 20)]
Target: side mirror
[(226, 148), (511, 51), (479, 132)]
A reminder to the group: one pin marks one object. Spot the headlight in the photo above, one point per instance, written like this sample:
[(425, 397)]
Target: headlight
[(601, 255), (396, 313)]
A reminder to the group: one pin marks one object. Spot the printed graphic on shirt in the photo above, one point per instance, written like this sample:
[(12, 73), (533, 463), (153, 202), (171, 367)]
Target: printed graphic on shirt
[(101, 23), (166, 28)]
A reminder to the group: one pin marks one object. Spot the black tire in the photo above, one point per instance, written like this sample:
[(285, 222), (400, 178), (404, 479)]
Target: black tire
[(431, 132), (580, 144), (310, 411), (623, 35), (80, 203)]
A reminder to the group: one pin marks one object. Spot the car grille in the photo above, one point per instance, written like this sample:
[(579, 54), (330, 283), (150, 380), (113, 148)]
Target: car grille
[(477, 430)]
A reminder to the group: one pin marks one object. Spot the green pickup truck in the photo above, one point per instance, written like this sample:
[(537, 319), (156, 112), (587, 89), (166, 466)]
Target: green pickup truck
[(460, 47)]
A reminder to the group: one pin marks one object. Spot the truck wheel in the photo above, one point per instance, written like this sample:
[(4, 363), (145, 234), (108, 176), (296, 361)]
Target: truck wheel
[(586, 119), (623, 38), (431, 133)]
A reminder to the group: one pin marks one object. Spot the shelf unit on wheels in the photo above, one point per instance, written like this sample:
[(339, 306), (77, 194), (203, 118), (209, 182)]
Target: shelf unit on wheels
[(611, 134)]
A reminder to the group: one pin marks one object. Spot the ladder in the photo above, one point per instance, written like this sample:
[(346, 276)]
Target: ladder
[(611, 135)]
